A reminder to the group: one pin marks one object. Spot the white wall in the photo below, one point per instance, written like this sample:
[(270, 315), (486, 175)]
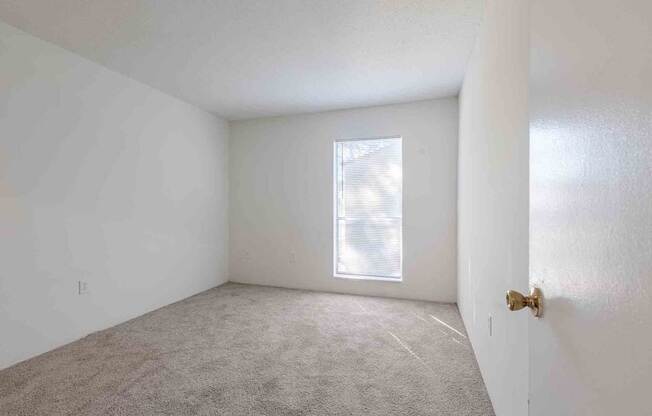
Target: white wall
[(281, 198), (493, 201), (106, 180)]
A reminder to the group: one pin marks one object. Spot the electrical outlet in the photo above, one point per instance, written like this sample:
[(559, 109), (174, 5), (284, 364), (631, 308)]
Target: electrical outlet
[(82, 287), (245, 255), (293, 257)]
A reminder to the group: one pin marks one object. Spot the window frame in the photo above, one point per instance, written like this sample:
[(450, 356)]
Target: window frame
[(350, 276)]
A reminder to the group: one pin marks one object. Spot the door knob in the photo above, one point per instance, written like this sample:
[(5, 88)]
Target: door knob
[(516, 301)]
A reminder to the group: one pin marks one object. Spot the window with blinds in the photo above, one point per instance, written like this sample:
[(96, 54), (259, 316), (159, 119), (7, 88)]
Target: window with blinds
[(368, 208)]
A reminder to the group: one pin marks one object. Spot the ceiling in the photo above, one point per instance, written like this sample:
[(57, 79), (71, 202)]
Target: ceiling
[(252, 58)]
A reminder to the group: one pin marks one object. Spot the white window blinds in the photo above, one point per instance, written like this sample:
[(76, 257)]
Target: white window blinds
[(368, 208)]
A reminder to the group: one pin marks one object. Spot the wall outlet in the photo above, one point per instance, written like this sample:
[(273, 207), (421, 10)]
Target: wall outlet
[(82, 287), (293, 257)]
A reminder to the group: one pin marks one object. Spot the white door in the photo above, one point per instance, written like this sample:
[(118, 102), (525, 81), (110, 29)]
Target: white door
[(591, 207)]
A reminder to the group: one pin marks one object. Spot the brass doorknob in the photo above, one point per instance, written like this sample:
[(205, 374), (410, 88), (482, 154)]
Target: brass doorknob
[(516, 301)]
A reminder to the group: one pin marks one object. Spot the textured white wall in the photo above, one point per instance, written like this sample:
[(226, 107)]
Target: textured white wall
[(105, 180), (493, 201), (281, 198)]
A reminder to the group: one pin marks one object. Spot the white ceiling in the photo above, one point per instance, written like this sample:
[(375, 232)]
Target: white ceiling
[(251, 58)]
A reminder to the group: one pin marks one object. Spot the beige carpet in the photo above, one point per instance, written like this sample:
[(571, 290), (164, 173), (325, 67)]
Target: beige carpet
[(252, 350)]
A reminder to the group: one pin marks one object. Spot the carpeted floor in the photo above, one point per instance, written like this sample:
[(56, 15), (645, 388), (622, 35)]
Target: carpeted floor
[(253, 350)]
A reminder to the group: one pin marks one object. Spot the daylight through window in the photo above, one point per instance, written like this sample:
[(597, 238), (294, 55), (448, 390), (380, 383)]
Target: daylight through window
[(368, 208)]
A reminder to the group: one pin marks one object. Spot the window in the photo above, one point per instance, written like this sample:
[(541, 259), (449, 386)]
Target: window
[(368, 208)]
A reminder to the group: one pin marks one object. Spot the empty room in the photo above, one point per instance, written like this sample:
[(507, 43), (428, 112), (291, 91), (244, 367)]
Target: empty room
[(325, 207)]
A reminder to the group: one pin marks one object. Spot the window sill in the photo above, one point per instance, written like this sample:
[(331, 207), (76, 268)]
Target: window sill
[(363, 277)]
